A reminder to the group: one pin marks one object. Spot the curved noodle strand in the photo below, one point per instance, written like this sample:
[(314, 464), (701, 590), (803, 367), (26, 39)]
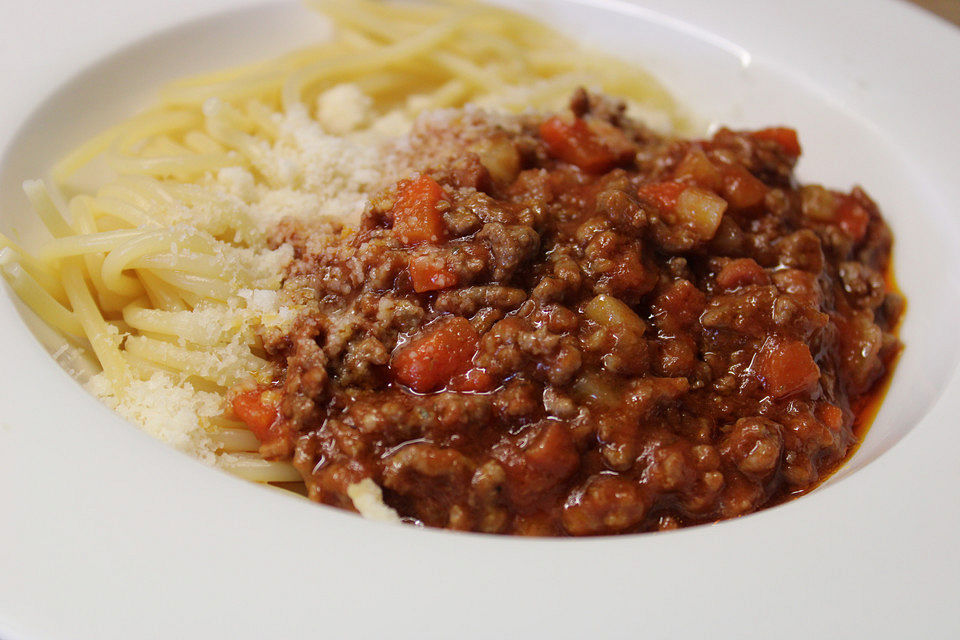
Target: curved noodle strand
[(160, 258)]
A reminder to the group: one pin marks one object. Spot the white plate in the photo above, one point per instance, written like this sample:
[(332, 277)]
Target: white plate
[(105, 533)]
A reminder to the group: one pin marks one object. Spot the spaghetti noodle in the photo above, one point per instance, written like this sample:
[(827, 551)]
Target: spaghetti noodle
[(161, 271)]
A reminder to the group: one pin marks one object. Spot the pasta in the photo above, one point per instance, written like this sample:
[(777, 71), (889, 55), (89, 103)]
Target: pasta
[(158, 263)]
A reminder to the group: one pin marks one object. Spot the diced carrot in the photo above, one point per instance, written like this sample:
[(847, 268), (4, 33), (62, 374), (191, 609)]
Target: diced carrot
[(416, 214), (575, 143), (429, 273), (783, 136), (739, 272), (257, 411), (786, 367), (741, 188), (853, 218), (662, 194), (476, 379), (436, 355)]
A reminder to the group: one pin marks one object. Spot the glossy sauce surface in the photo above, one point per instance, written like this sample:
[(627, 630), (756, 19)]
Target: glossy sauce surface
[(569, 325)]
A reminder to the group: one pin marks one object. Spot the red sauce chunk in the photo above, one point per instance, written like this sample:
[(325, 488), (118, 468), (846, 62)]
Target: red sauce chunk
[(853, 218), (258, 411), (741, 272), (787, 368), (784, 137), (664, 195), (570, 325), (428, 272)]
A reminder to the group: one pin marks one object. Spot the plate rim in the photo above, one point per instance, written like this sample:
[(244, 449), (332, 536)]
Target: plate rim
[(894, 461)]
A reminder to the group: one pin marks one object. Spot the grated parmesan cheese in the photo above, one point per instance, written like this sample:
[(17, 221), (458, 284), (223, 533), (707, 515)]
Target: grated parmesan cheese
[(314, 173), (343, 109), (166, 409), (317, 168)]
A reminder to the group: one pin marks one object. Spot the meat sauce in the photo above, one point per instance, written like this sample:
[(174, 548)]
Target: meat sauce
[(569, 325)]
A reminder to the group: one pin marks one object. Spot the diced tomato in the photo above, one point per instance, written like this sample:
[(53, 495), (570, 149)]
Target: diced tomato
[(429, 273), (436, 355), (257, 410), (740, 272), (575, 143), (662, 194), (553, 452), (741, 188), (783, 136), (831, 416), (416, 213), (629, 274), (787, 367), (679, 306), (853, 218), (548, 460)]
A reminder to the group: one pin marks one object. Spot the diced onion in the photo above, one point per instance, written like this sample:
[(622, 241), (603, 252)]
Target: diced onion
[(611, 312), (700, 210)]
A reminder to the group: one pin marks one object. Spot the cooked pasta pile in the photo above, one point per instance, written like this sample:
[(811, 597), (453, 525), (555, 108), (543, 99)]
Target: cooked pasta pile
[(160, 270)]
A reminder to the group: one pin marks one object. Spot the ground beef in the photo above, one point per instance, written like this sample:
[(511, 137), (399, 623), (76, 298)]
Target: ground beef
[(566, 325)]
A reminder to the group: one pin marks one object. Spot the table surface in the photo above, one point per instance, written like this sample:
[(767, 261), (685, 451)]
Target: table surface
[(946, 9)]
